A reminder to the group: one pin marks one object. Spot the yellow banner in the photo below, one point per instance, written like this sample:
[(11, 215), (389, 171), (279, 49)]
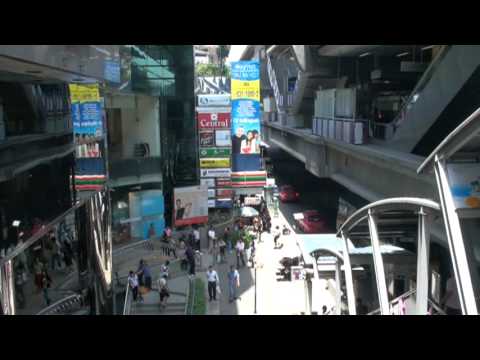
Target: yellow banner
[(214, 163), (247, 90), (84, 93)]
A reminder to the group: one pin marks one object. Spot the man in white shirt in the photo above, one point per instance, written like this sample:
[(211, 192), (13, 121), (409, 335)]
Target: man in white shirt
[(240, 248), (211, 237), (212, 278), (133, 282), (451, 301), (196, 237)]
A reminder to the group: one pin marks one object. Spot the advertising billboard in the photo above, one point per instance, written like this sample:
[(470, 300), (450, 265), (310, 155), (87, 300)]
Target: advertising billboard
[(464, 182), (245, 81), (190, 205), (86, 111), (147, 208), (246, 132)]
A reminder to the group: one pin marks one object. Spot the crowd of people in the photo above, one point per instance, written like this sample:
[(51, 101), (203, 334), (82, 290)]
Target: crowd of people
[(52, 253), (237, 240)]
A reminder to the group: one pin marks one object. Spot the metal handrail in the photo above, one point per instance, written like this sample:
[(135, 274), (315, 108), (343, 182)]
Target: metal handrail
[(396, 300), (432, 303), (128, 300), (436, 307), (55, 307), (191, 298)]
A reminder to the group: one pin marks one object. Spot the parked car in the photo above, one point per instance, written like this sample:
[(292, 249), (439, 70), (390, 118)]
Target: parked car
[(289, 194), (312, 222)]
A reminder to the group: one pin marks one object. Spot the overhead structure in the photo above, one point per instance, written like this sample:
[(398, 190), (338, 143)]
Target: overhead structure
[(455, 163)]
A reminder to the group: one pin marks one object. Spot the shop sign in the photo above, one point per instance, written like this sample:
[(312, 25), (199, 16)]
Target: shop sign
[(215, 152), (224, 182), (214, 173), (222, 138), (207, 138), (214, 163), (224, 193), (208, 182), (214, 100)]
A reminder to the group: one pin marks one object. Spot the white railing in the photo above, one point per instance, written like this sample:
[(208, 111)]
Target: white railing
[(128, 300)]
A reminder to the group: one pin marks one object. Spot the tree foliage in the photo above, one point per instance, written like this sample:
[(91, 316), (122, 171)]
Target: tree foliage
[(212, 70)]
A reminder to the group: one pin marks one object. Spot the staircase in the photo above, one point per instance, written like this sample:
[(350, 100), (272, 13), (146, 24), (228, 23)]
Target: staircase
[(445, 95), (175, 305)]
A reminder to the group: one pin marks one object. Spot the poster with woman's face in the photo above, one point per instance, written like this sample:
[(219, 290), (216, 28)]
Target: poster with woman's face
[(190, 205)]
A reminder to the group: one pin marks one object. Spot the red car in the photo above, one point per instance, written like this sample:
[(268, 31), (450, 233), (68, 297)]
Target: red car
[(288, 194), (312, 222)]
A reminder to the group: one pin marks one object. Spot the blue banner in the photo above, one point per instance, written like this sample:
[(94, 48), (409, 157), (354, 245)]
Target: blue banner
[(246, 116), (112, 71), (245, 70)]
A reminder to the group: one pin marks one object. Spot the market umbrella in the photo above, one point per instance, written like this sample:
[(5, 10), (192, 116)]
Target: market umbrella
[(249, 212)]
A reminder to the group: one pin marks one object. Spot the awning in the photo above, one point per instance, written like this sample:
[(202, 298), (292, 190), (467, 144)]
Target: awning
[(309, 244)]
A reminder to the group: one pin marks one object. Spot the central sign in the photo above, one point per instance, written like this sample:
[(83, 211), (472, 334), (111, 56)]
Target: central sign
[(214, 120)]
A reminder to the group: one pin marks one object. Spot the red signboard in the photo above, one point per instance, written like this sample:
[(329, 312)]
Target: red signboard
[(224, 193), (214, 120), (224, 182)]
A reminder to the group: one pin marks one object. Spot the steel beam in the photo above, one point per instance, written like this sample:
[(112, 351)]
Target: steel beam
[(378, 263)]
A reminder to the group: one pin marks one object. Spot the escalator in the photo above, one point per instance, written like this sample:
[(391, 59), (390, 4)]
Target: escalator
[(445, 95)]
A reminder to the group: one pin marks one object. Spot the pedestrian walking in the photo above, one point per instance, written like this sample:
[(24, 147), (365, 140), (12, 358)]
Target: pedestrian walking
[(213, 281), (163, 291), (38, 268), (240, 249), (191, 260), (276, 236), (46, 283), (20, 279), (133, 283), (196, 238), (147, 276), (233, 283), (223, 247), (140, 272), (227, 239), (55, 253), (67, 255), (211, 237), (151, 237), (165, 270)]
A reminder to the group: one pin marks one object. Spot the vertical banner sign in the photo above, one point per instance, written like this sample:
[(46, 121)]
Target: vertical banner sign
[(246, 136), (88, 127), (214, 124)]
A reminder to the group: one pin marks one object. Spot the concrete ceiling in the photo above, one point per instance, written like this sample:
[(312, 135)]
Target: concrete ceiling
[(22, 71), (357, 50)]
